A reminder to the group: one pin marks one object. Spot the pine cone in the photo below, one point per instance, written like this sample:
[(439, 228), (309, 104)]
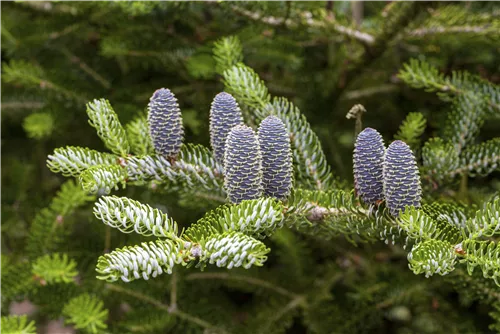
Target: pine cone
[(277, 167), (368, 161), (243, 165), (165, 123), (401, 178), (224, 114)]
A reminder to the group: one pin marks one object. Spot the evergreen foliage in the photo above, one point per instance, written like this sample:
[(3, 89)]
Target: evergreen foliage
[(245, 202), (18, 325)]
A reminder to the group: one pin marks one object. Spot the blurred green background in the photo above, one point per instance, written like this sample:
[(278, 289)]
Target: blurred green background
[(57, 56)]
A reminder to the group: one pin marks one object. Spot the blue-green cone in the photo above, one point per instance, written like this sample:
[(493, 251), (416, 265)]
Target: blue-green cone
[(368, 161), (224, 114), (401, 178), (277, 167), (165, 123), (242, 165)]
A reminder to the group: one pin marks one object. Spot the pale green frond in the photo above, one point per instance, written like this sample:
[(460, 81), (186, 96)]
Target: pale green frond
[(55, 268), (195, 167), (431, 257), (39, 125), (234, 249), (440, 158), (17, 324), (132, 216), (411, 129), (71, 161), (86, 313), (103, 178), (227, 52), (246, 86), (138, 136), (256, 218), (310, 160), (465, 120), (149, 259), (482, 254), (481, 159), (486, 222), (105, 120)]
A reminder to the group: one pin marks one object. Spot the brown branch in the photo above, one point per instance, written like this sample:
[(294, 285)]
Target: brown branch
[(306, 19)]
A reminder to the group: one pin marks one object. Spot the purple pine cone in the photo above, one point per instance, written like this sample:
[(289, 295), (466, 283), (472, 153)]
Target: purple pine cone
[(368, 161), (165, 123), (401, 178), (276, 152), (224, 114), (242, 165)]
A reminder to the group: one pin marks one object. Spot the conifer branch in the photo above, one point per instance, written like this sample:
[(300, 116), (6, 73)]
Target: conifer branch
[(49, 224), (105, 120), (86, 312), (306, 19), (18, 324), (71, 161), (131, 216), (29, 75), (141, 261), (102, 177), (55, 268), (138, 136), (176, 312)]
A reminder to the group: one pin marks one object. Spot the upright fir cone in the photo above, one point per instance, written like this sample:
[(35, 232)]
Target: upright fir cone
[(224, 114), (277, 167), (242, 165), (401, 178), (165, 123), (368, 161)]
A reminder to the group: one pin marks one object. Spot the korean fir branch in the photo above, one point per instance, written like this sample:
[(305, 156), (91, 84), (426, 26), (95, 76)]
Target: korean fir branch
[(442, 161), (224, 237), (105, 120), (311, 165), (138, 136), (129, 216), (422, 75), (249, 90), (256, 218)]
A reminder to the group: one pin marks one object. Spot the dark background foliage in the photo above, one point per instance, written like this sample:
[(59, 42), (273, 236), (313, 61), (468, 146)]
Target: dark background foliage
[(57, 56)]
